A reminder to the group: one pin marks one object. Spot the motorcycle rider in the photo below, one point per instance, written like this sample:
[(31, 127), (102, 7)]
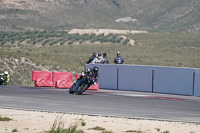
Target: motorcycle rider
[(7, 77), (93, 72)]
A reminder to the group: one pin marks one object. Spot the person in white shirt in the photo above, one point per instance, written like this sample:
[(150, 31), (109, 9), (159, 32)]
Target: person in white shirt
[(97, 60)]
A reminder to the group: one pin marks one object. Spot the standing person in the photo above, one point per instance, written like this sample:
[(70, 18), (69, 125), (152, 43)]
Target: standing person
[(105, 60), (97, 60), (118, 59), (94, 55), (7, 77)]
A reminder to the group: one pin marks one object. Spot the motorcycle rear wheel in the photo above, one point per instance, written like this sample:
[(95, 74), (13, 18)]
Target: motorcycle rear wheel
[(71, 89), (83, 87)]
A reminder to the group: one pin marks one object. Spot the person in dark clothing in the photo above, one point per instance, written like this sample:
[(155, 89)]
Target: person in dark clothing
[(105, 60), (94, 55), (118, 59)]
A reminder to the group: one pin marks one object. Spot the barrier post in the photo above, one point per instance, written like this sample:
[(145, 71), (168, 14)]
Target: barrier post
[(118, 78), (197, 82), (193, 83), (152, 80)]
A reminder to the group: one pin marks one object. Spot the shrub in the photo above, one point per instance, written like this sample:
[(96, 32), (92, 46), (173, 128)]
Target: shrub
[(97, 128), (126, 41), (83, 123), (107, 132), (166, 132), (5, 119), (15, 130), (58, 127)]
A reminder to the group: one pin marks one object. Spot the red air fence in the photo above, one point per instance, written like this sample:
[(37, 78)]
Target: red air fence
[(42, 79), (63, 79)]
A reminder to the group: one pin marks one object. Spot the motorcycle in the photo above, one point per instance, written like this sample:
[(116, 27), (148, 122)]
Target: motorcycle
[(2, 79), (88, 79)]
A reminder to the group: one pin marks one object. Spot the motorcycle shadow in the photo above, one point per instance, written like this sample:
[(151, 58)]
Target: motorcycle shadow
[(84, 94)]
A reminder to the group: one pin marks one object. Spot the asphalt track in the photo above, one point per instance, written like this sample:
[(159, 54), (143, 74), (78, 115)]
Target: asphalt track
[(104, 102)]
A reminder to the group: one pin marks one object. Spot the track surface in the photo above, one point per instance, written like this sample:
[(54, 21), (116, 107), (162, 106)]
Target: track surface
[(104, 102)]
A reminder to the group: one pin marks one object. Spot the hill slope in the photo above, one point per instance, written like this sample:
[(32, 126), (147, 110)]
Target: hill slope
[(152, 15)]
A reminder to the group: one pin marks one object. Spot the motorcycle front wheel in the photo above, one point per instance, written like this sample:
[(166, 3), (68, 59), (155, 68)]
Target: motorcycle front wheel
[(83, 87)]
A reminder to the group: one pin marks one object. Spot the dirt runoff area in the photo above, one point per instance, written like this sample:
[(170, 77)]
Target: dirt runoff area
[(41, 122)]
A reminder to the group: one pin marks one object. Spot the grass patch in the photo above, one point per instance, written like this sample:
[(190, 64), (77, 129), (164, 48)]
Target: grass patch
[(157, 129), (15, 130), (106, 132), (83, 123), (58, 127), (165, 132), (5, 119), (97, 128), (133, 131)]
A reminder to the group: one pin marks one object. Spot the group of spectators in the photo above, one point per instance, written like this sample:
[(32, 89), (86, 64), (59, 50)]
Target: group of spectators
[(97, 58)]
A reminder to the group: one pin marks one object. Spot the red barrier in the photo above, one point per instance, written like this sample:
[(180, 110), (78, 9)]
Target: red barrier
[(41, 75), (63, 79), (63, 84), (42, 79), (92, 87), (44, 83)]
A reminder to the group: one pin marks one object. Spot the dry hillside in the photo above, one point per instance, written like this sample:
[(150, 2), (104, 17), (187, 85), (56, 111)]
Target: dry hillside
[(151, 15)]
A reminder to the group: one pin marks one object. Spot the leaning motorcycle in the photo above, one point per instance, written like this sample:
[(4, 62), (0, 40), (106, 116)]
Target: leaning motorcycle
[(2, 79), (88, 80)]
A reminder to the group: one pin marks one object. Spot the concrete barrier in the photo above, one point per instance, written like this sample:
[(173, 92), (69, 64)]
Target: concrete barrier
[(168, 80), (107, 75), (173, 80), (135, 78)]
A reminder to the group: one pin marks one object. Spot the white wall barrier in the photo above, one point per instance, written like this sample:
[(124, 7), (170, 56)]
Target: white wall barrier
[(169, 80)]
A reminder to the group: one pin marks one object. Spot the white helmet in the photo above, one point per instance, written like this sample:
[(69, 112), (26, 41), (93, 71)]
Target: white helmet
[(6, 72)]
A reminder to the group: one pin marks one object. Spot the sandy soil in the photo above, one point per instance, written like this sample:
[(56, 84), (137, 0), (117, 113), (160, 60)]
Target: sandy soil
[(40, 122), (104, 31)]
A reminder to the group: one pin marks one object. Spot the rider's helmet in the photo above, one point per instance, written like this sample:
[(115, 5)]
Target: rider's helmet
[(6, 72), (96, 69), (88, 70)]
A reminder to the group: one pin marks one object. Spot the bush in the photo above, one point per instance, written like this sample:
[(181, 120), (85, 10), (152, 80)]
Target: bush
[(125, 42), (5, 119), (15, 130), (58, 127)]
